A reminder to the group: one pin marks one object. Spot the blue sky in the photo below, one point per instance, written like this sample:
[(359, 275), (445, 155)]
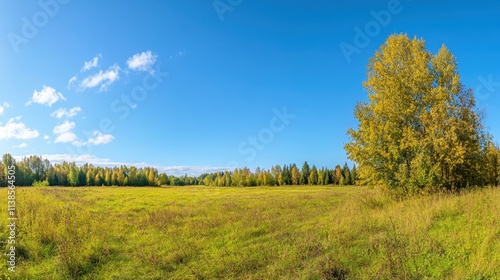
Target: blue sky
[(195, 86)]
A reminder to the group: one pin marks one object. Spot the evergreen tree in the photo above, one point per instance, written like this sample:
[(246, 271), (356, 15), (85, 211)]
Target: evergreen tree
[(304, 178), (346, 172), (354, 175)]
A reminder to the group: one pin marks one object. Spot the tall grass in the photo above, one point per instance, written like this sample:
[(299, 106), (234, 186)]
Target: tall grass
[(254, 233)]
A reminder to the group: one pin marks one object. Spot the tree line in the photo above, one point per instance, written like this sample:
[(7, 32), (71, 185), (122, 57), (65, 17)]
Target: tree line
[(285, 175), (36, 171)]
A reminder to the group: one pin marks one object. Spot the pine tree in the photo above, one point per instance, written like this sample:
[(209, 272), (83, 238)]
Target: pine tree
[(354, 175), (304, 178), (346, 172)]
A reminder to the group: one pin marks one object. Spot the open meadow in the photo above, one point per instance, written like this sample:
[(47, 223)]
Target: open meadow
[(254, 233)]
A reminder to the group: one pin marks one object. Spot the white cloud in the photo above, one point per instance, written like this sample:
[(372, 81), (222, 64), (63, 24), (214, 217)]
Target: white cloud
[(102, 79), (17, 130), (47, 96), (104, 162), (90, 64), (3, 107), (60, 113), (66, 137), (142, 61), (72, 81), (100, 138), (20, 146), (66, 126), (64, 134), (46, 137)]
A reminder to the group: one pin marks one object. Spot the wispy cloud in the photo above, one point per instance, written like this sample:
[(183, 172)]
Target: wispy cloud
[(47, 96), (17, 130), (142, 61), (20, 146), (91, 64), (102, 79), (63, 112), (3, 107), (104, 162), (71, 82)]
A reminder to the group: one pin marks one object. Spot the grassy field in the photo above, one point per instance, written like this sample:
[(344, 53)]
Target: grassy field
[(253, 233)]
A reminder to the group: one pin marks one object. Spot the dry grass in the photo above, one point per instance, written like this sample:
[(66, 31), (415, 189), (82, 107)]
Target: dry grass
[(254, 233)]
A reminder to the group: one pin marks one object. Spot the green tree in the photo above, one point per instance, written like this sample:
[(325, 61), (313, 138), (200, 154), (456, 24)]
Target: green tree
[(162, 179), (287, 176), (304, 177), (90, 178), (3, 177), (346, 172), (7, 161), (73, 175)]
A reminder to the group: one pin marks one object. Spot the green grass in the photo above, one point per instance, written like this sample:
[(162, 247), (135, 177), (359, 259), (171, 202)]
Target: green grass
[(253, 233)]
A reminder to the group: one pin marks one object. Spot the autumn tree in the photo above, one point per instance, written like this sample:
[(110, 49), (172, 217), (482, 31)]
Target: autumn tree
[(419, 128), (492, 166), (295, 175), (313, 176), (90, 178), (338, 177)]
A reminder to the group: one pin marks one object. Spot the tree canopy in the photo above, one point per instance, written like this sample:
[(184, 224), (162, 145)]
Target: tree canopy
[(420, 128)]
